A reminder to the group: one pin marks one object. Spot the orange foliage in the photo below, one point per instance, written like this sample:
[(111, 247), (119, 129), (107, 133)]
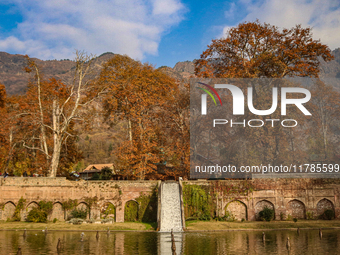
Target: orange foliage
[(256, 50), (141, 95), (42, 131), (253, 50)]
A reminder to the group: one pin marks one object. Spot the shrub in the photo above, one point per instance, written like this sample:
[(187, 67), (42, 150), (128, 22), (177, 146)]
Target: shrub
[(229, 216), (70, 204), (289, 217), (295, 219), (106, 220), (109, 210), (55, 220), (79, 213), (18, 208), (205, 216), (76, 221), (95, 176), (37, 215), (328, 215), (309, 215), (106, 173), (46, 206), (282, 216), (267, 214), (242, 220)]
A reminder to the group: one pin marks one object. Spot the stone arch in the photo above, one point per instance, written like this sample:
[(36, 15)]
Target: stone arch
[(57, 212), (108, 210), (8, 210), (296, 209), (238, 209), (29, 207), (80, 206), (323, 205), (32, 205), (260, 205), (131, 211)]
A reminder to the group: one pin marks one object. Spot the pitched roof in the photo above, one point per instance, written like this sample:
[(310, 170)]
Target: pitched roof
[(98, 167)]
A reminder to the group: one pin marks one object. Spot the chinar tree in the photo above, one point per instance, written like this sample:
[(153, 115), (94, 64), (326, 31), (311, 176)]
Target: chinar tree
[(255, 50), (138, 94), (51, 109), (261, 50)]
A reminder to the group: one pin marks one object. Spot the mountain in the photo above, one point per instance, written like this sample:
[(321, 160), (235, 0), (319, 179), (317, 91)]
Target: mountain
[(331, 69), (15, 79)]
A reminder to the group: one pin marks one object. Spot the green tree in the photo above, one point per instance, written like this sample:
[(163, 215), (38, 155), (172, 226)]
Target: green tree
[(106, 173)]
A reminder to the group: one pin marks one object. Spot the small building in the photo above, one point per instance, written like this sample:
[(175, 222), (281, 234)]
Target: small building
[(89, 171)]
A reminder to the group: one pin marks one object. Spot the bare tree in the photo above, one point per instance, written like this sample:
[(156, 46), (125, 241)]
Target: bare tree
[(59, 106)]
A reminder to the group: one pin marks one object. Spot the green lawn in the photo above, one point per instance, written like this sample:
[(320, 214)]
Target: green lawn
[(222, 225), (66, 226), (190, 225)]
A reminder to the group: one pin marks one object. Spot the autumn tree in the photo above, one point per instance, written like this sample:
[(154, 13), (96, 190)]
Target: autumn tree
[(52, 108), (10, 145), (2, 96), (254, 50), (174, 129), (137, 93), (3, 128), (325, 108)]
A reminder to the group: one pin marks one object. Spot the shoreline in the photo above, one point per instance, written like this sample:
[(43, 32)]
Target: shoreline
[(191, 226), (259, 229), (185, 231), (78, 230)]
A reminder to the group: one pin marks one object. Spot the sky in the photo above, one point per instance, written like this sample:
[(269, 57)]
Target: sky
[(160, 32)]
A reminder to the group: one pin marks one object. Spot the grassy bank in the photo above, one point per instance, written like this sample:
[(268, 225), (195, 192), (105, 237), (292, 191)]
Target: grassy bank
[(68, 227), (259, 225), (190, 225)]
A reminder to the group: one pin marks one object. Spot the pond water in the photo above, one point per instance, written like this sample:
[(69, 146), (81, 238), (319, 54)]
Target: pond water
[(236, 242)]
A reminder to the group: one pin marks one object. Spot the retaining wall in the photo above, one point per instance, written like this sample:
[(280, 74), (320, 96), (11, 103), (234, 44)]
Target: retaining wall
[(59, 190), (288, 197)]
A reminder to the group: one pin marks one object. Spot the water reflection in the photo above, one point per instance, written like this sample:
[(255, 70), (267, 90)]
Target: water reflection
[(164, 240), (240, 242)]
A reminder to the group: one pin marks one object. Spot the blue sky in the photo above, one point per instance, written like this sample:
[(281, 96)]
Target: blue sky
[(161, 32)]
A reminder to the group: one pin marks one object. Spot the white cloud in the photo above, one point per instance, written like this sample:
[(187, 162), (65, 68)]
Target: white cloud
[(12, 42), (167, 7), (53, 29), (322, 16), (231, 12)]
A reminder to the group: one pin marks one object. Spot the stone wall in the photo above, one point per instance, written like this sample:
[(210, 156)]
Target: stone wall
[(60, 190), (296, 198), (290, 198)]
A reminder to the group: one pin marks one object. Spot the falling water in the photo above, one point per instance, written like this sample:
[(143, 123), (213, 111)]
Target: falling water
[(171, 217)]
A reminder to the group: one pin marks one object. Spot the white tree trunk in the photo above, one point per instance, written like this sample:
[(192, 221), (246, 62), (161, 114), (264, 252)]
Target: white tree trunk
[(63, 111)]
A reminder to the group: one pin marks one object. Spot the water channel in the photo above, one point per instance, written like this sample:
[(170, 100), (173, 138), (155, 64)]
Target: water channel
[(144, 243)]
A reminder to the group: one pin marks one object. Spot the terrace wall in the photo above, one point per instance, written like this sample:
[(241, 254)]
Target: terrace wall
[(294, 197)]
